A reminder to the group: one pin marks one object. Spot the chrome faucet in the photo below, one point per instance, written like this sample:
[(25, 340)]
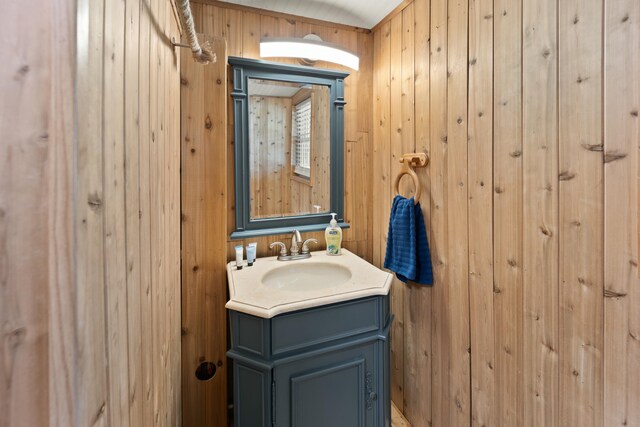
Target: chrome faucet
[(295, 240), (295, 252)]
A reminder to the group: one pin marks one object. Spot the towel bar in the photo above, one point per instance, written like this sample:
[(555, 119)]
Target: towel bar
[(407, 163)]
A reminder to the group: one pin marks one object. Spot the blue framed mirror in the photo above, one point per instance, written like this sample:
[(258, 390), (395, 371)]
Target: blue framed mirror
[(289, 147)]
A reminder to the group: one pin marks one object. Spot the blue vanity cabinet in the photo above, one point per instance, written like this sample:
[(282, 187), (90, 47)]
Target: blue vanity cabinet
[(323, 366)]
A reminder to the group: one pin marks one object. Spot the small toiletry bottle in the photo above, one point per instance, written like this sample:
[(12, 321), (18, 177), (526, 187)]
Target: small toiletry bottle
[(239, 256), (251, 253), (333, 236)]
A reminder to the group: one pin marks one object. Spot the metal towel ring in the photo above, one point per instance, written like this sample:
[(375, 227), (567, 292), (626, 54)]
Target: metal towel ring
[(407, 163)]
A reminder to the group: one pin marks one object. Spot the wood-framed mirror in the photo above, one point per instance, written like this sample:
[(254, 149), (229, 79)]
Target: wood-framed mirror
[(289, 147)]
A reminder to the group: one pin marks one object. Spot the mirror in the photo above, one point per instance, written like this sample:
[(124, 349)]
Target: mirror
[(289, 147)]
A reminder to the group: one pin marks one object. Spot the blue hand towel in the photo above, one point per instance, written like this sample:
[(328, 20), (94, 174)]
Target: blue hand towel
[(407, 247)]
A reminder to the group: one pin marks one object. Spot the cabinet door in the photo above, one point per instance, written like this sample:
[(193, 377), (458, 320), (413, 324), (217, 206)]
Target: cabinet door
[(336, 389)]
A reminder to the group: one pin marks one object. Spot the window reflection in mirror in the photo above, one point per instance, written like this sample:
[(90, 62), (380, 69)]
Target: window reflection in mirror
[(289, 148)]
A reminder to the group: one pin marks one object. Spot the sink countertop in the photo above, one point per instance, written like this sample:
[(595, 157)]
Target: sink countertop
[(249, 295)]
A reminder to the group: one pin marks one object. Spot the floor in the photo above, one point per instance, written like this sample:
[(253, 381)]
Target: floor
[(397, 419)]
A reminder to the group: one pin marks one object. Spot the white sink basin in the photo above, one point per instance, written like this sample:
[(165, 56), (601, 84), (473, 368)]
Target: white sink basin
[(271, 287), (306, 277)]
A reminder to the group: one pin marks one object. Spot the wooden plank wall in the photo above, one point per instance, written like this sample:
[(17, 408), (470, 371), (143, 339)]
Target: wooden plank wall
[(128, 210), (36, 214), (89, 214), (204, 219), (242, 28), (529, 112)]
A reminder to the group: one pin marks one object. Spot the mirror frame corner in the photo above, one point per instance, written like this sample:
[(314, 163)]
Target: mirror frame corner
[(242, 70)]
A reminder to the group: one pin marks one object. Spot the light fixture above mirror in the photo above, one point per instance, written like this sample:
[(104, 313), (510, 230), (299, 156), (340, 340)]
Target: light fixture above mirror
[(309, 49)]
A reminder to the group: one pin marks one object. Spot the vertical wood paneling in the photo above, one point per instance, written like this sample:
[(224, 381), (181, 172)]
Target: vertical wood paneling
[(355, 214), (132, 207), (204, 210), (552, 243), (235, 32), (89, 212), (384, 146), (154, 78), (349, 40), (36, 214), (137, 141), (146, 133), (175, 289), (191, 140), (438, 240), (388, 76), (381, 152), (175, 412), (417, 326), (162, 211), (250, 35), (540, 214), (580, 212), (114, 226), (507, 127), (61, 227), (163, 207), (621, 283), (458, 400), (396, 141), (71, 212), (363, 182), (407, 124), (480, 164)]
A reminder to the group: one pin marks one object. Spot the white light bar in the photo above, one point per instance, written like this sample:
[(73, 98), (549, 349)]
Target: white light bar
[(289, 47)]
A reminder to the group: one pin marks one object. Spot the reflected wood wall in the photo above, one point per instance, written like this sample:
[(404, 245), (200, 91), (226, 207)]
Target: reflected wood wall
[(269, 156), (528, 111), (274, 189), (316, 191)]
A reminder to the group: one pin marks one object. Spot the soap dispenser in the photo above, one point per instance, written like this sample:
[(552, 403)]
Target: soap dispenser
[(333, 236)]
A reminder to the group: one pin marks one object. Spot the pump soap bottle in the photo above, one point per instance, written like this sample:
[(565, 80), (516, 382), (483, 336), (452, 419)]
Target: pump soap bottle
[(333, 236)]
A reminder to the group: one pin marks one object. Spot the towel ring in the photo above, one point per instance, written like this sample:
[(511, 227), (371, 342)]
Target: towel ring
[(407, 163)]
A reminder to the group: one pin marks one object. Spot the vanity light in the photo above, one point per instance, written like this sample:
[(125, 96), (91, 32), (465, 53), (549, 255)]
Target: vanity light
[(311, 46)]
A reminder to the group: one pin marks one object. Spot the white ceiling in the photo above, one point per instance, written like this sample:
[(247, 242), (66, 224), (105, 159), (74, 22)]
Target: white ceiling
[(358, 13), (274, 90)]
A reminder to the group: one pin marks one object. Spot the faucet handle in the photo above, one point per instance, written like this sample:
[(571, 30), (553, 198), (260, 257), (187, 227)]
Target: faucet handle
[(283, 247), (305, 245)]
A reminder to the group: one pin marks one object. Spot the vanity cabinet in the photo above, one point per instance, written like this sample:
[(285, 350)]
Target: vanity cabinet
[(321, 366)]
